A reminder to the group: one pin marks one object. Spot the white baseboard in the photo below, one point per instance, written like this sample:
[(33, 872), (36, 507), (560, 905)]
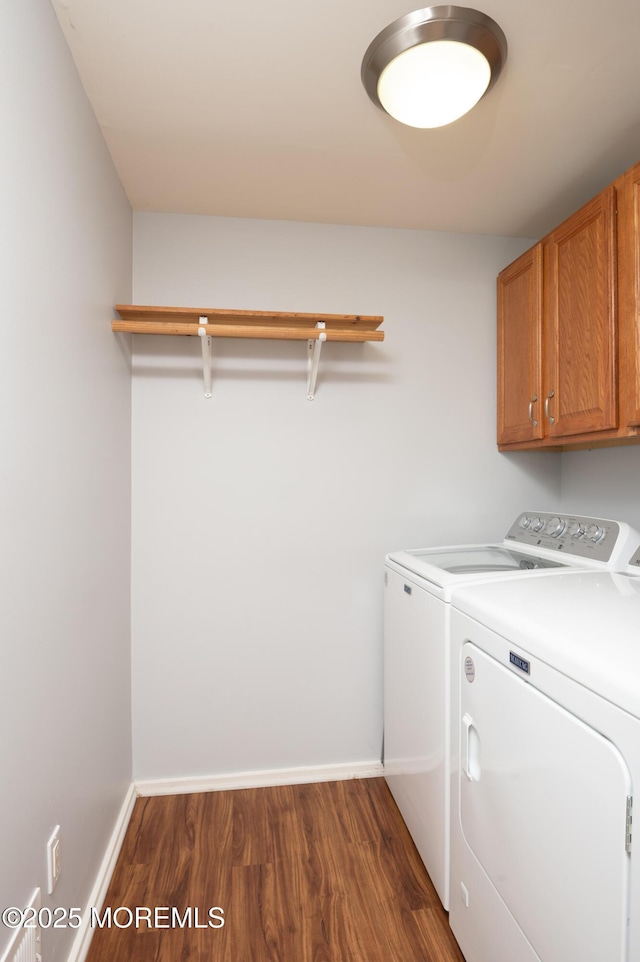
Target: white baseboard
[(200, 783), (80, 945), (259, 779)]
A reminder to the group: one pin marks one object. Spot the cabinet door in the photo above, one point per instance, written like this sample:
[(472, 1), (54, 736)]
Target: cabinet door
[(629, 289), (581, 374), (520, 349)]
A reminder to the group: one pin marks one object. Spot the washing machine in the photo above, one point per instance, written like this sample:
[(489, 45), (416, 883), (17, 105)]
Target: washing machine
[(546, 762), (419, 587)]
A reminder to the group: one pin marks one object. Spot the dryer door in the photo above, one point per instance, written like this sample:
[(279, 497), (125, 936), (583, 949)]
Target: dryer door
[(542, 806)]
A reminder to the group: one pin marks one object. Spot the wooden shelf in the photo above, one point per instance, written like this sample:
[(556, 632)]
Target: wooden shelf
[(278, 325), (207, 323)]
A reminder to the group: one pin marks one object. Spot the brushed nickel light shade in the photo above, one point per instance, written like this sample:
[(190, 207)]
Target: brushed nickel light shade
[(431, 66)]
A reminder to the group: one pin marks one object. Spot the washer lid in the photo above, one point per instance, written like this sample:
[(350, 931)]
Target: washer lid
[(444, 565)]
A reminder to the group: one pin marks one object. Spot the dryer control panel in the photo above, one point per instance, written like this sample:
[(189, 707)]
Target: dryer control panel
[(593, 538), (635, 560)]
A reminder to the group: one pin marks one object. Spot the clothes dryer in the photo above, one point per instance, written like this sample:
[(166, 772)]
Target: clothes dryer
[(546, 761)]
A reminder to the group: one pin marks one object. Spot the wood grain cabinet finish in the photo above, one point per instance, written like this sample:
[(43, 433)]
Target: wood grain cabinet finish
[(580, 380), (520, 349), (629, 291), (577, 353)]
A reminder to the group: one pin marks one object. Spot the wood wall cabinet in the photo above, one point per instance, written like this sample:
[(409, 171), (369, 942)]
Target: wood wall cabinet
[(568, 333), (520, 349), (580, 374), (629, 290)]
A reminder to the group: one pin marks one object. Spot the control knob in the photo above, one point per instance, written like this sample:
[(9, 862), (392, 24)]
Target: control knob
[(595, 533), (537, 524), (555, 527), (524, 522), (577, 530)]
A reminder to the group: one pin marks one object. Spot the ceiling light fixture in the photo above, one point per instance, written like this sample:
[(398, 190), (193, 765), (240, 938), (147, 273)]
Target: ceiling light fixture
[(431, 66)]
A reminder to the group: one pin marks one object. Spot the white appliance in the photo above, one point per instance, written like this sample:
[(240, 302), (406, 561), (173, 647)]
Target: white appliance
[(546, 707), (419, 587)]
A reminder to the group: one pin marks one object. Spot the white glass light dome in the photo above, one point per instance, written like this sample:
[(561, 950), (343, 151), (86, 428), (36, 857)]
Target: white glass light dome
[(434, 83)]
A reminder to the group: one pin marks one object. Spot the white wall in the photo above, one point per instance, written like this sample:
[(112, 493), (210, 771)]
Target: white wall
[(261, 520), (65, 754), (604, 483)]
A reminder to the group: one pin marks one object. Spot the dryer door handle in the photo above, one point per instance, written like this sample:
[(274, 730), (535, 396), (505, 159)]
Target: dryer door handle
[(470, 749)]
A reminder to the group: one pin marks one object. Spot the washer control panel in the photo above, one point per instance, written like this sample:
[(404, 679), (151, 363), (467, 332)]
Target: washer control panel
[(593, 538)]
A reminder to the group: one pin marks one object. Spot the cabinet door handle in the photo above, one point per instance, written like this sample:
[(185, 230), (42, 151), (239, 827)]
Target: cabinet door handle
[(546, 407), (531, 417)]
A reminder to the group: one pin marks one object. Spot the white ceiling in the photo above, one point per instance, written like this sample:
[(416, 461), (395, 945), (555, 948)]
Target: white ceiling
[(256, 109)]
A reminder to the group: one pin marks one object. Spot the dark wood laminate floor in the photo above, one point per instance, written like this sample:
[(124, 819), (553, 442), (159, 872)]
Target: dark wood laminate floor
[(306, 873)]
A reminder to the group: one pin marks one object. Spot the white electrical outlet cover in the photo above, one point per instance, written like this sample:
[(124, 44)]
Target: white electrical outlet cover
[(53, 859)]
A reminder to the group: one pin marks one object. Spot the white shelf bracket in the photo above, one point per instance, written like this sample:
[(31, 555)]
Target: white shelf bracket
[(314, 346), (205, 340)]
